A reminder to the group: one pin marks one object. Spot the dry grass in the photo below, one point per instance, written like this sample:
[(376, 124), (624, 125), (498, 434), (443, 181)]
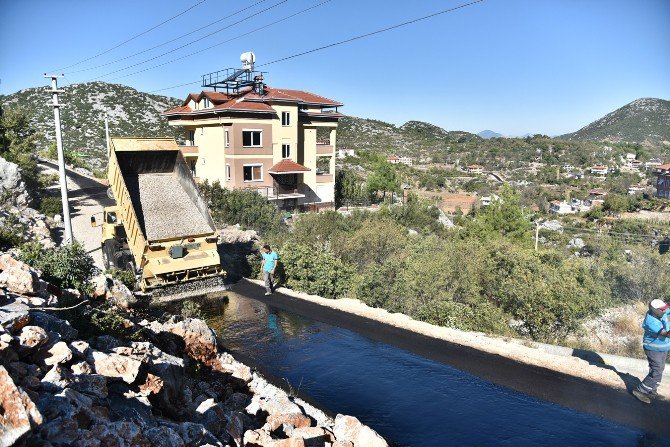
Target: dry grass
[(627, 325)]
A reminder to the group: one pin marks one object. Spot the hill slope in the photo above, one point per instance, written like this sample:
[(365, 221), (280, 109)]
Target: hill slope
[(414, 138), (131, 113), (645, 120)]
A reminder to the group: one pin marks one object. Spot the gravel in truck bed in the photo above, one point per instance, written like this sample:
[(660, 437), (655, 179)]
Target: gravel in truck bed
[(167, 209)]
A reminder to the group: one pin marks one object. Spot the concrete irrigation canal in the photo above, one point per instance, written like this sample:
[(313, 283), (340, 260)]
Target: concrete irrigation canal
[(420, 391)]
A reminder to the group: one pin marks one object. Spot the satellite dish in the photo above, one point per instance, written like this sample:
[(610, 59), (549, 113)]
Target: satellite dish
[(248, 60)]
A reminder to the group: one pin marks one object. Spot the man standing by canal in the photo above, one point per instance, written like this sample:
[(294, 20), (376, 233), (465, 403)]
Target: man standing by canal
[(268, 266), (656, 344)]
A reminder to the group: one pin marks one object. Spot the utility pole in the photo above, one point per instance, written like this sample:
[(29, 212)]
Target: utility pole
[(537, 233), (61, 159), (107, 132)]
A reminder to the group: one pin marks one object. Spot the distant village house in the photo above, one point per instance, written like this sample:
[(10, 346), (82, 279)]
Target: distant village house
[(600, 170), (663, 181), (475, 169)]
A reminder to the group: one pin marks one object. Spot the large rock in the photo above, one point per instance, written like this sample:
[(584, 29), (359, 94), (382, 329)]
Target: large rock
[(54, 324), (22, 281), (115, 366), (164, 437), (18, 413), (348, 428), (121, 295), (14, 316), (297, 420), (58, 353), (32, 337), (199, 340), (12, 188)]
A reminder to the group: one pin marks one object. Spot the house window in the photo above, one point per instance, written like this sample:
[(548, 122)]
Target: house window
[(252, 138), (285, 151), (323, 166), (191, 137), (207, 103), (253, 173), (227, 172), (285, 118), (227, 135)]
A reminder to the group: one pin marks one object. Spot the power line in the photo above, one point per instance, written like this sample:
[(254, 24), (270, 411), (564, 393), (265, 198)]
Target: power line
[(445, 11), (361, 36), (225, 41), (174, 86), (171, 40), (135, 36), (191, 42)]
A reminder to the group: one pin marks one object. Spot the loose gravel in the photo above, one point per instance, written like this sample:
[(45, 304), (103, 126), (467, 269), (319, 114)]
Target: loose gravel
[(167, 209)]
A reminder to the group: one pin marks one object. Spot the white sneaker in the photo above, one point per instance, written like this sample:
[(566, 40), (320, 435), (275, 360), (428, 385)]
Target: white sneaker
[(268, 293)]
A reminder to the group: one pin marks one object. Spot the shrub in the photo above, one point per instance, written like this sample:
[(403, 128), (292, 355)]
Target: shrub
[(314, 269), (191, 309), (247, 208), (126, 277), (12, 230), (68, 266), (50, 206)]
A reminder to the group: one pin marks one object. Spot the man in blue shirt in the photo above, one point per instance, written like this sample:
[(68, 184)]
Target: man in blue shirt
[(268, 266), (656, 344)]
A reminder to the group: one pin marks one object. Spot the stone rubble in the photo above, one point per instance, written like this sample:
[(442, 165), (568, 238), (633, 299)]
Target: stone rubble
[(174, 388)]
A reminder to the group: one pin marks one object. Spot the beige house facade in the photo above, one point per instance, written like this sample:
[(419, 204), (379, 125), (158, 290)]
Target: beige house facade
[(280, 143)]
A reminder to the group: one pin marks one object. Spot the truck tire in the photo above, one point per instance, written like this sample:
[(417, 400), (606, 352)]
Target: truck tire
[(110, 193), (109, 249)]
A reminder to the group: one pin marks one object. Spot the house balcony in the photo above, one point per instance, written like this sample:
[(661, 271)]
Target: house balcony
[(325, 178), (282, 192), (323, 148), (189, 151)]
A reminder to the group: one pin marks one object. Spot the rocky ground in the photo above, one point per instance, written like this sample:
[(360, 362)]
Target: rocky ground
[(167, 384)]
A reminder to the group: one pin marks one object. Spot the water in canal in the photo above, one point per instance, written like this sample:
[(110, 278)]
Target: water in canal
[(408, 399)]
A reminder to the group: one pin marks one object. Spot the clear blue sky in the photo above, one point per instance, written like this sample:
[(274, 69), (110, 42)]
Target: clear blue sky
[(513, 66)]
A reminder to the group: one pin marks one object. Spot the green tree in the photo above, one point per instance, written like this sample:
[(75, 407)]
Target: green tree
[(384, 179), (506, 216)]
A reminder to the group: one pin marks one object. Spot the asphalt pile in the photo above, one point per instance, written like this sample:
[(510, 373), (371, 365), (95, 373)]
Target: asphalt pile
[(167, 209)]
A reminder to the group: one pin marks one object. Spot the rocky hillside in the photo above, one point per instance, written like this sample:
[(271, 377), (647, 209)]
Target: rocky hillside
[(131, 113), (415, 138), (645, 120)]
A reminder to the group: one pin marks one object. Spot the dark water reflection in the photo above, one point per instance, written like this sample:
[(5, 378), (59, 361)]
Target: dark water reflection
[(408, 399)]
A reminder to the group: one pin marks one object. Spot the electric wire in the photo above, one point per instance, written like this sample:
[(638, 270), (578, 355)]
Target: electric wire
[(188, 44), (134, 37), (361, 36), (379, 31), (224, 42), (171, 40)]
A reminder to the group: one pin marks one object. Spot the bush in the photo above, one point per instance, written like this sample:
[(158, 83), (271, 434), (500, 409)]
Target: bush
[(50, 206), (191, 309), (126, 277), (238, 206), (68, 267), (315, 270), (12, 230)]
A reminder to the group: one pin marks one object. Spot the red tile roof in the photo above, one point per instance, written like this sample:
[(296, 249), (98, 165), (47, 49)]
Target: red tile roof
[(249, 100), (663, 167), (288, 167)]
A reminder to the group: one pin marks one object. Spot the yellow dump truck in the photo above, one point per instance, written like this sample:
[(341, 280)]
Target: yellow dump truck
[(160, 228)]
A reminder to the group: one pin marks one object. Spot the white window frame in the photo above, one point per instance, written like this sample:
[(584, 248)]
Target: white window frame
[(252, 165), (288, 152), (191, 137), (260, 131), (286, 119), (206, 103), (226, 136), (228, 172)]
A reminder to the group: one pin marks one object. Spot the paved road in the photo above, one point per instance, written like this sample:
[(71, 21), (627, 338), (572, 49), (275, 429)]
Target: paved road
[(572, 392), (87, 198)]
